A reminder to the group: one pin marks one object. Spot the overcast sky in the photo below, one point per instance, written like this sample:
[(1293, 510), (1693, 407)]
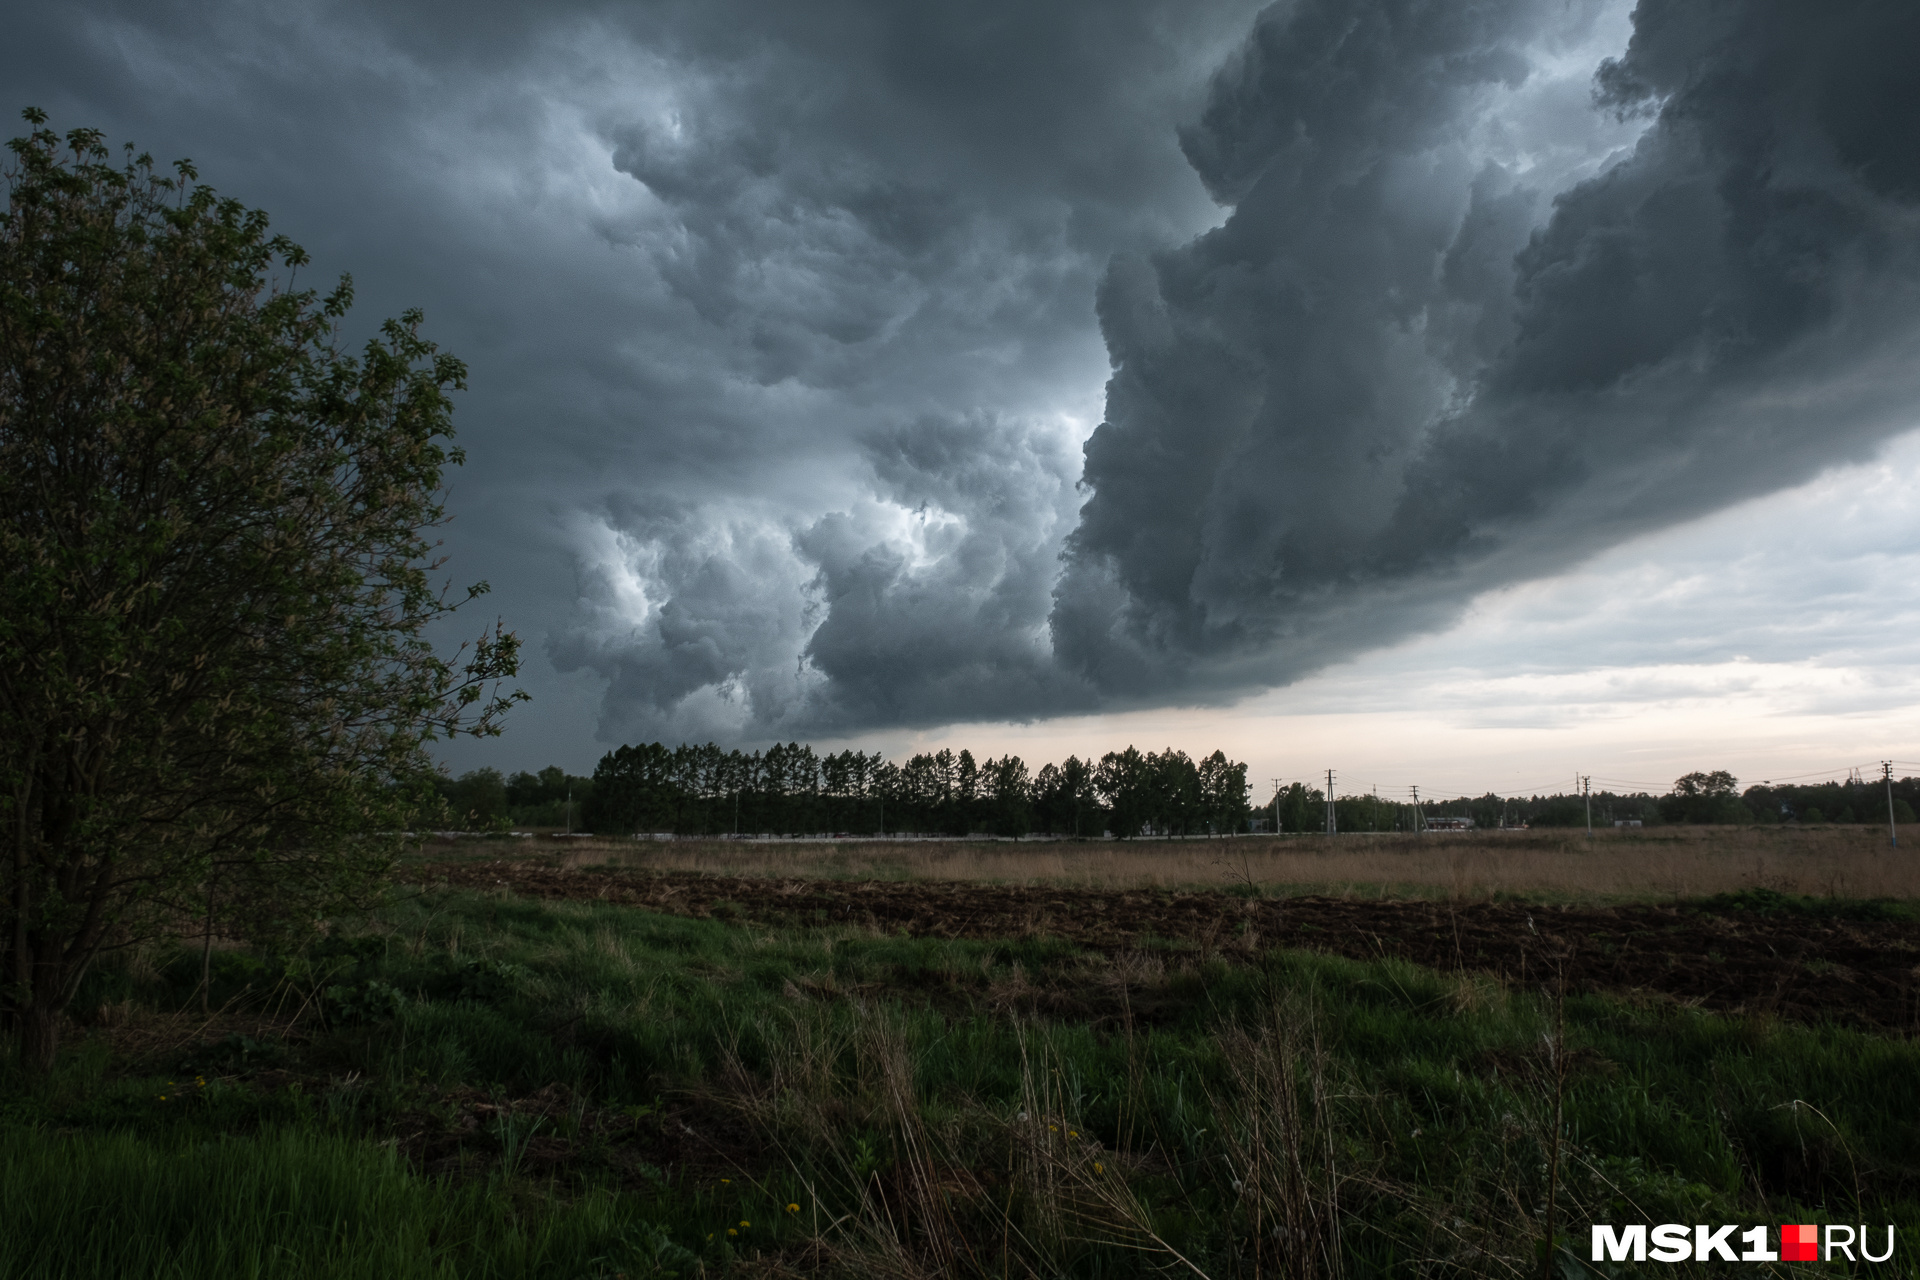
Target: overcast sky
[(1440, 392)]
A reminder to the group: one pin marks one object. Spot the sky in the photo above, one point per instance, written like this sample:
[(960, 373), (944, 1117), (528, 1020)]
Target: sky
[(1463, 395)]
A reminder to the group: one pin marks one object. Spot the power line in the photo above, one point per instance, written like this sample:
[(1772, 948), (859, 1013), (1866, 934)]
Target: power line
[(1583, 787), (1820, 773)]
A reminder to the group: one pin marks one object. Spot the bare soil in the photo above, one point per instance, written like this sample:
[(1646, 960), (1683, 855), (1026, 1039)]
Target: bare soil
[(1805, 966)]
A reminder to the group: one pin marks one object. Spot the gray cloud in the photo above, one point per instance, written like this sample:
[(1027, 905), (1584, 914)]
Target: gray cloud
[(925, 628), (1382, 386), (788, 323), (739, 284), (888, 225)]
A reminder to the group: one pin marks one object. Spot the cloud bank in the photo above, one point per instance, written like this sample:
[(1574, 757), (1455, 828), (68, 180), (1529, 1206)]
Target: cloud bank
[(788, 323), (1388, 383), (1470, 320)]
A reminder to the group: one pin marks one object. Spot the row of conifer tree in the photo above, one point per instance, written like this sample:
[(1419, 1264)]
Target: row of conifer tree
[(790, 789)]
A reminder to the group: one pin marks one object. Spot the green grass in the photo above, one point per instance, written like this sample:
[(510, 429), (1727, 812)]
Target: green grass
[(287, 1203), (1391, 1115), (1769, 902)]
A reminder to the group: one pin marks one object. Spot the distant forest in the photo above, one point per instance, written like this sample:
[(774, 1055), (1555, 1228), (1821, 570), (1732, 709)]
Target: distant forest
[(1695, 798), (791, 790)]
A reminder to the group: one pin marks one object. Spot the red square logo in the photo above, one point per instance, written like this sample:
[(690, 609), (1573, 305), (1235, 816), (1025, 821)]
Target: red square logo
[(1800, 1243)]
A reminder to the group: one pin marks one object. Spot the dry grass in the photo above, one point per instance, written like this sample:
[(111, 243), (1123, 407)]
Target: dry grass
[(1664, 862)]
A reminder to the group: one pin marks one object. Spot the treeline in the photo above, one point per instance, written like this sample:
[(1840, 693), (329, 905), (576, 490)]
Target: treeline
[(1699, 797), (790, 790), (1856, 800), (483, 799), (1303, 809)]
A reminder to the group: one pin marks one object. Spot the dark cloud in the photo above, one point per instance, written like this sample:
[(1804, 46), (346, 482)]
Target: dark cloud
[(889, 223), (1381, 386), (738, 283), (930, 626), (787, 323)]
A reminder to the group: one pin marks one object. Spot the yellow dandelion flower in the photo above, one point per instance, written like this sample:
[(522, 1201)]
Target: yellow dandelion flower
[(1073, 1133), (793, 1208), (732, 1232), (726, 1182), (745, 1223), (1098, 1167), (1053, 1128)]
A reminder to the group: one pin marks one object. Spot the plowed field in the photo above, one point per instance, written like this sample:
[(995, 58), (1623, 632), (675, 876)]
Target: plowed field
[(1806, 967)]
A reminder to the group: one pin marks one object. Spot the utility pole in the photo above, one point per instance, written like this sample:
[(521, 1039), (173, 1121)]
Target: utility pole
[(1330, 822), (1276, 806), (1586, 789), (1418, 825), (1886, 771), (569, 808)]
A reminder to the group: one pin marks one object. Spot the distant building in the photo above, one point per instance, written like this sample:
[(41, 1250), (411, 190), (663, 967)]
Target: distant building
[(1449, 824), (1626, 822)]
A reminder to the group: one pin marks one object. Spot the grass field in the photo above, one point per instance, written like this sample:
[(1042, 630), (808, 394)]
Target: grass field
[(1673, 862), (473, 1083)]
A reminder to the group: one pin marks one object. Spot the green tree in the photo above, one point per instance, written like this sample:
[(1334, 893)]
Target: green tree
[(634, 790), (1175, 804), (215, 686), (1302, 809), (1124, 783), (1716, 784), (476, 800), (1009, 795), (1065, 799), (1705, 797), (551, 798), (1223, 791)]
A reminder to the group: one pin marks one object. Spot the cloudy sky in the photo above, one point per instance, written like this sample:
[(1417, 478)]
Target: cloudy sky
[(1463, 394)]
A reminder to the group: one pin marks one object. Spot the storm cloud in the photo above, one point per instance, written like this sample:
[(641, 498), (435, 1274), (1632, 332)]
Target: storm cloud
[(1406, 370), (789, 324)]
